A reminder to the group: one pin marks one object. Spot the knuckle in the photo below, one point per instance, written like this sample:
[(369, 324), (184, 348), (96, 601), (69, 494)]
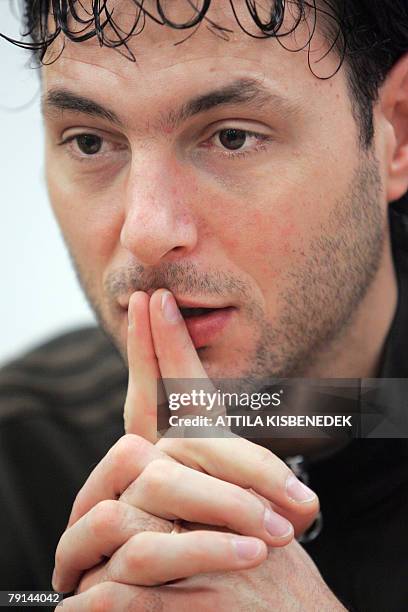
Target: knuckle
[(104, 517), (264, 455), (156, 475), (127, 448), (102, 598), (233, 504), (170, 445), (199, 554), (188, 447), (136, 554), (244, 503), (267, 460), (185, 450)]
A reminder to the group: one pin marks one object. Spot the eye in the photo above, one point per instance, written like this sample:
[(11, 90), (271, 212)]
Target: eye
[(89, 144), (86, 146), (233, 139), (236, 142)]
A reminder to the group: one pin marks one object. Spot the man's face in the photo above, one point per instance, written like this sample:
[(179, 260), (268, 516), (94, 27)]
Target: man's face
[(233, 177)]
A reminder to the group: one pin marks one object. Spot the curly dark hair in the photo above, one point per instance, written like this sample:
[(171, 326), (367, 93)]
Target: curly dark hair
[(369, 36)]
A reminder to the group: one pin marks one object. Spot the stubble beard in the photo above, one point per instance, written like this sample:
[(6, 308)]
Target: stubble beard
[(320, 297)]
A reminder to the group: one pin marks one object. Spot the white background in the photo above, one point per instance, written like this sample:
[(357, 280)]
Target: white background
[(39, 294)]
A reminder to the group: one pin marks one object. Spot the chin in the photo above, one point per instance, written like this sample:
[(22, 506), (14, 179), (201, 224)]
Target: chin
[(220, 366)]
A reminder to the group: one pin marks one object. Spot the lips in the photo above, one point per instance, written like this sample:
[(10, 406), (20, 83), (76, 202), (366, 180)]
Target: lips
[(205, 324)]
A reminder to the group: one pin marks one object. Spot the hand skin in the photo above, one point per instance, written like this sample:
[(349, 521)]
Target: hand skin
[(286, 581), (122, 513)]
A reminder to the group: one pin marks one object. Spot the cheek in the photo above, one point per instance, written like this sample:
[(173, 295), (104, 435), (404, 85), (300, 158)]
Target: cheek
[(266, 241), (91, 225), (278, 215)]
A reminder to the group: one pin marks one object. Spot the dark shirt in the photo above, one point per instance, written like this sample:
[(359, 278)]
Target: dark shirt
[(61, 410)]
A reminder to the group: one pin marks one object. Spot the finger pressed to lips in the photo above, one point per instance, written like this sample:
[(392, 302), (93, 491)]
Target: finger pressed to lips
[(176, 355), (159, 348), (140, 412)]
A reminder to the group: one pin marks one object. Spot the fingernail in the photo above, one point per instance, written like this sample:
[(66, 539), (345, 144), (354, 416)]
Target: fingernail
[(298, 491), (169, 307), (276, 525), (247, 548)]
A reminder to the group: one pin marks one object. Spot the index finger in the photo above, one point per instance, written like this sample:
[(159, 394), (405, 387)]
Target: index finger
[(140, 411), (180, 366)]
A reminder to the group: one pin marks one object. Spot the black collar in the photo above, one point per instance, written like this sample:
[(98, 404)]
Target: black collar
[(370, 469)]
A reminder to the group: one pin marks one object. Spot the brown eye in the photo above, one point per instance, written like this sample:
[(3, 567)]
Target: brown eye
[(89, 144), (232, 139)]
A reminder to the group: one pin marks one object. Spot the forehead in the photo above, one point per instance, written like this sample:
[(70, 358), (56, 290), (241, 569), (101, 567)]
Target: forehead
[(174, 60)]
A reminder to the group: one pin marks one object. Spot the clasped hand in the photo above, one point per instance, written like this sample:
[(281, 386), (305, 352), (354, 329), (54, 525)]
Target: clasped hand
[(239, 504)]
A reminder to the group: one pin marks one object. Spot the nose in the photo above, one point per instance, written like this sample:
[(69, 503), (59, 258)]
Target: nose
[(159, 223)]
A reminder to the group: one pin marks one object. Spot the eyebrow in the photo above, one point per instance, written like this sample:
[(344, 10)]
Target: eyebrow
[(63, 99), (238, 92)]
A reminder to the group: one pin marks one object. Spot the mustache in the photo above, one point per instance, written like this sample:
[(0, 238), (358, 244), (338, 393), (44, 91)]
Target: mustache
[(177, 277)]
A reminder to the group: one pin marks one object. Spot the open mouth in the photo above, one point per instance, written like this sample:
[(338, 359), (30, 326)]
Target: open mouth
[(187, 313), (205, 324)]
